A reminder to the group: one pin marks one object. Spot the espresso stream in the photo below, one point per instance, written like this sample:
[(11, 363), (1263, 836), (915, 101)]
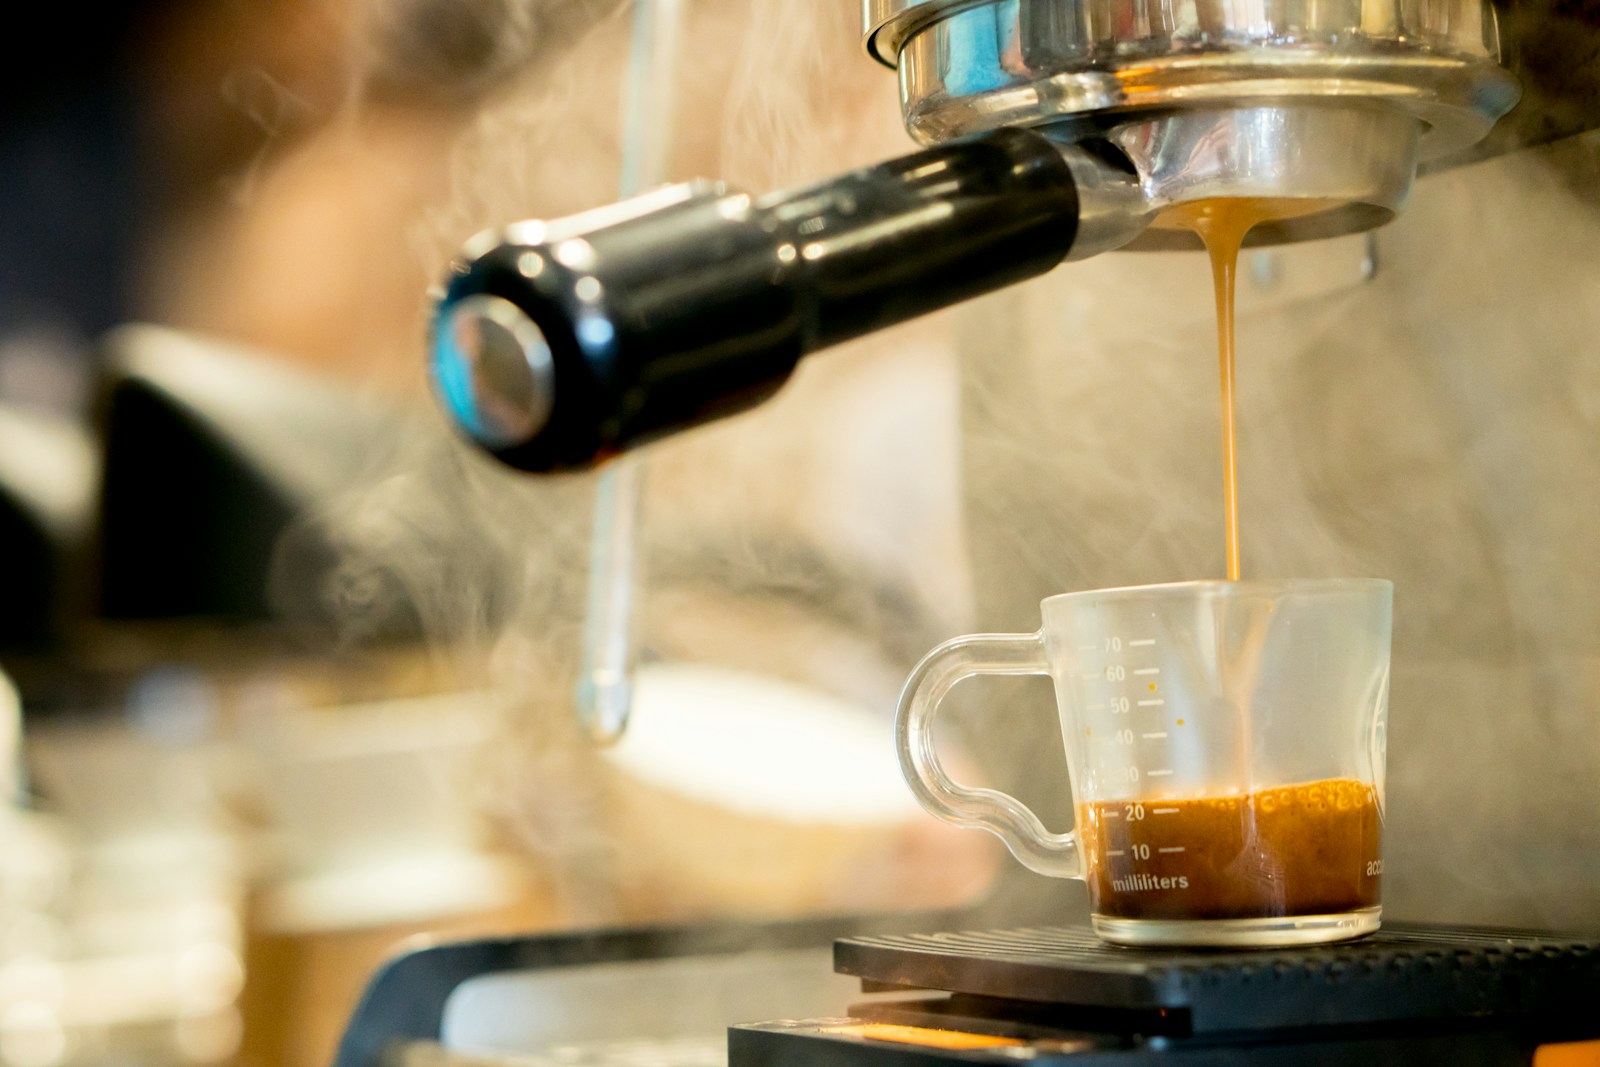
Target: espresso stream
[(1221, 224), (1304, 849)]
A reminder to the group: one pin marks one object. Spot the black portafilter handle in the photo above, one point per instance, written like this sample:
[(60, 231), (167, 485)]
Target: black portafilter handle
[(557, 344)]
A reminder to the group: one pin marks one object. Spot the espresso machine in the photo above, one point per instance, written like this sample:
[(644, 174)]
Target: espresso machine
[(1058, 131), (1055, 130)]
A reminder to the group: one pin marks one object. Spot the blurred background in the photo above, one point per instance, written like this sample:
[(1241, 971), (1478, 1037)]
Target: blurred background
[(287, 672), (292, 669)]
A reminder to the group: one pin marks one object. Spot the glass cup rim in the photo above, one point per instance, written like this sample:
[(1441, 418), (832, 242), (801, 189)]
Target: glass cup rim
[(1203, 588)]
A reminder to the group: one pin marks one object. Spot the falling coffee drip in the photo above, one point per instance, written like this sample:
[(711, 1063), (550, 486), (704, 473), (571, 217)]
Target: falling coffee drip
[(1221, 224)]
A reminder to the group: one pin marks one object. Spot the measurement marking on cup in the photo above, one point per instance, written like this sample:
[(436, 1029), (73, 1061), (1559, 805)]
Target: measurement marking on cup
[(1155, 736), (1163, 811), (1144, 642), (1159, 774), (1151, 703), (1088, 648), (1148, 670), (1093, 676), (1115, 852), (1178, 848)]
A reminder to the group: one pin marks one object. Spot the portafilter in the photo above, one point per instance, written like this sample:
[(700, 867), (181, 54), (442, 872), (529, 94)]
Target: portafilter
[(1056, 130)]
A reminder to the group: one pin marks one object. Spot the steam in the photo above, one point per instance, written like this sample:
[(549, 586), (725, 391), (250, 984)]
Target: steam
[(814, 542), (1435, 425)]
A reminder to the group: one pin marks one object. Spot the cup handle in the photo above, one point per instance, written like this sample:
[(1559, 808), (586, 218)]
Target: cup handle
[(985, 809)]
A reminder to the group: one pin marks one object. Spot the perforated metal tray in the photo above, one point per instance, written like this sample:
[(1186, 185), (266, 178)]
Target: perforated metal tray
[(1402, 973)]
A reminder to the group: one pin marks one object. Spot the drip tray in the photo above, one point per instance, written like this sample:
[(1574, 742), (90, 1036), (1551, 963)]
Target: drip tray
[(1404, 972)]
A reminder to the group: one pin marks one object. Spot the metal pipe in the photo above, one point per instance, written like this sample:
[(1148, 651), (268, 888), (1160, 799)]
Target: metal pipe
[(610, 633)]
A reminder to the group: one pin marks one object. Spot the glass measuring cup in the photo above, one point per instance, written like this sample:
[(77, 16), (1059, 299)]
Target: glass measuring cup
[(1225, 746)]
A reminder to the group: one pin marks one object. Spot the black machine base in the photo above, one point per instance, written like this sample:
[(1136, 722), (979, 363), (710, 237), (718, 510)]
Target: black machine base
[(1410, 994)]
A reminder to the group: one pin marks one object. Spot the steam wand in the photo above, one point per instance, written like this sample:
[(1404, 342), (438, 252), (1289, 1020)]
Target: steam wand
[(610, 627), (610, 631)]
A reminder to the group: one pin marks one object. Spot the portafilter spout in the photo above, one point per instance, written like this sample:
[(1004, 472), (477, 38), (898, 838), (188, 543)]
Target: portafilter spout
[(1060, 129)]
